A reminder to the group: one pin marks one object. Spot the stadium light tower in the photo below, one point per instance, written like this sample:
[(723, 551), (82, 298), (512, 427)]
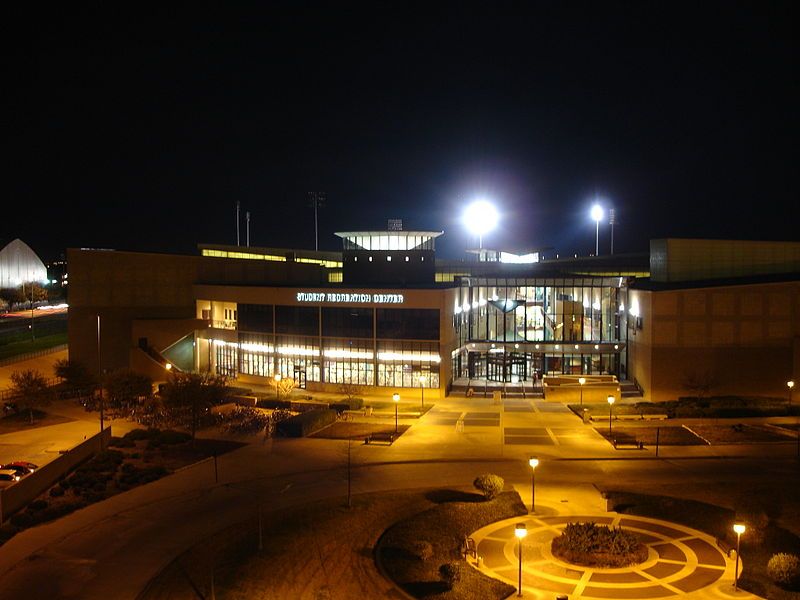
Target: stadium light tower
[(597, 216), (480, 218)]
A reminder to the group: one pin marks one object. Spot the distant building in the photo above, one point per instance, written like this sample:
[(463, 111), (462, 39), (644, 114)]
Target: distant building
[(19, 264)]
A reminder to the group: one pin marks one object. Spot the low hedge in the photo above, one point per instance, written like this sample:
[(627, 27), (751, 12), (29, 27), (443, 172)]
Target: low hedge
[(285, 404), (306, 423)]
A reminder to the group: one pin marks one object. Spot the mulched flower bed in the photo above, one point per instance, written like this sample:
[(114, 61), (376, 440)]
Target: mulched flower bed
[(592, 545)]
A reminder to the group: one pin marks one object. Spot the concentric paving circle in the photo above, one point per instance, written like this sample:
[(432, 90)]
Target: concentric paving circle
[(680, 559)]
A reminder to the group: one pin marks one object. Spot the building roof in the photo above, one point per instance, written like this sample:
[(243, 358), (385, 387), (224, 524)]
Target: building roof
[(19, 264)]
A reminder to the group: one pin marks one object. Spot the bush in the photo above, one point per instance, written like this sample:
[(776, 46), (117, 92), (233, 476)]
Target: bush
[(590, 544), (306, 423), (489, 485), (784, 569), (141, 434), (422, 550), (57, 491), (284, 404), (37, 505), (451, 573), (21, 520), (121, 442)]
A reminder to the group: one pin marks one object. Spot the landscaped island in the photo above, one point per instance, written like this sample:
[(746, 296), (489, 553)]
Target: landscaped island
[(592, 545)]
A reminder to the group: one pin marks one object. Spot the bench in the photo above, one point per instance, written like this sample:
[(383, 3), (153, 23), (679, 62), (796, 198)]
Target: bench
[(380, 437), (468, 547), (631, 444), (639, 417)]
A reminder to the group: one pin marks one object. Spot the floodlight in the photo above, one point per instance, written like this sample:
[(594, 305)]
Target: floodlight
[(480, 218)]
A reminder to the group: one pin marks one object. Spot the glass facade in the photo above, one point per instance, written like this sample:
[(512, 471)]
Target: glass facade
[(362, 346)]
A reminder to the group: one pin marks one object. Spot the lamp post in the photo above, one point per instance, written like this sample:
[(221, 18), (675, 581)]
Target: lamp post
[(533, 462), (277, 379), (581, 380), (610, 406), (396, 398), (422, 390), (739, 528), (520, 531), (597, 216)]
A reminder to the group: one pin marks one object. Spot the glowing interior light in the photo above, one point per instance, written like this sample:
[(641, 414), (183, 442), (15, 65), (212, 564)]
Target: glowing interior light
[(341, 353), (475, 304), (458, 310), (596, 305), (634, 309), (482, 302), (408, 356), (465, 306), (585, 303)]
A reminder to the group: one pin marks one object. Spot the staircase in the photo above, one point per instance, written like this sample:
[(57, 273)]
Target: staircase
[(509, 390), (630, 389)]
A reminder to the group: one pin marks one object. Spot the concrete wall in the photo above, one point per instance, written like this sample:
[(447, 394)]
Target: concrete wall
[(744, 339), (17, 496)]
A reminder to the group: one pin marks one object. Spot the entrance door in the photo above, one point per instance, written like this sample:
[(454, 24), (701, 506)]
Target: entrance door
[(300, 377)]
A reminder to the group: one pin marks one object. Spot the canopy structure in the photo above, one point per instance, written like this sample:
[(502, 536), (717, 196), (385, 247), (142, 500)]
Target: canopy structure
[(19, 264)]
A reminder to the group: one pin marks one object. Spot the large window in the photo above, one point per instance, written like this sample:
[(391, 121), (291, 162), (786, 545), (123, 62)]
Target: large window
[(255, 317), (297, 320), (350, 322), (408, 323)]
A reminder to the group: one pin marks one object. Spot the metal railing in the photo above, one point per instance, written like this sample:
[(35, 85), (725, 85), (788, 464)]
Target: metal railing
[(20, 357)]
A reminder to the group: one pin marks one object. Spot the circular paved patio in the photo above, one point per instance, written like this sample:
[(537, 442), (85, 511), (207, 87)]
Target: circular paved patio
[(680, 560)]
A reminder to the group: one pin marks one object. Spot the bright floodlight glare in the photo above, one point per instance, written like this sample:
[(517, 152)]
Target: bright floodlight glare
[(480, 217), (597, 213)]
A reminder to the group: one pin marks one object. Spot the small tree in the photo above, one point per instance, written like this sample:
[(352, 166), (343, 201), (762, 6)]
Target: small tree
[(74, 373), (188, 396), (348, 390), (31, 388), (125, 389), (489, 485), (283, 386)]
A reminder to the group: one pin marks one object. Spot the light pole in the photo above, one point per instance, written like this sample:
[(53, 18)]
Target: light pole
[(610, 406), (520, 531), (581, 380), (277, 379), (739, 528), (533, 462), (597, 216), (396, 398), (480, 217), (422, 390)]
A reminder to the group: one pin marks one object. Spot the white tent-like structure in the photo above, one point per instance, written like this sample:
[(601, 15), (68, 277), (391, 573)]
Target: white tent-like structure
[(19, 264)]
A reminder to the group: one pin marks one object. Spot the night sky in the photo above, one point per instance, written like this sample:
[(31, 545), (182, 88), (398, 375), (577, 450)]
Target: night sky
[(141, 128)]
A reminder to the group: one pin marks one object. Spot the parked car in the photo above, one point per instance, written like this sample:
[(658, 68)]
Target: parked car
[(21, 463), (18, 469), (8, 476)]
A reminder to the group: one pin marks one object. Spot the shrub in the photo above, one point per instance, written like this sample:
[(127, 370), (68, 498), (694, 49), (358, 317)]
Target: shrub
[(57, 491), (285, 404), (121, 442), (141, 434), (784, 569), (37, 505), (451, 573), (306, 423), (21, 520), (489, 485), (421, 549), (598, 545)]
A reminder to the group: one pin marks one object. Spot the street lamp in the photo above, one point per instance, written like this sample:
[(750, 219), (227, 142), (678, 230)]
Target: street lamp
[(520, 531), (610, 406), (790, 385), (168, 366), (739, 528), (480, 217), (597, 216), (277, 377), (533, 462), (422, 390), (581, 380), (396, 398)]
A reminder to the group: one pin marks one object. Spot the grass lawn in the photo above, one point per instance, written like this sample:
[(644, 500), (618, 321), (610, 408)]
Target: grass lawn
[(343, 430), (24, 347), (444, 527), (722, 407), (740, 434), (667, 436), (21, 421), (717, 521), (324, 550)]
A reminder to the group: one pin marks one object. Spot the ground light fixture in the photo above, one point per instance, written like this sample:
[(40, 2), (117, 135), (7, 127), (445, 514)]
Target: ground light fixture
[(790, 385), (610, 406), (277, 379), (581, 380), (396, 398), (597, 216), (739, 528), (480, 218), (533, 461), (520, 530), (422, 390)]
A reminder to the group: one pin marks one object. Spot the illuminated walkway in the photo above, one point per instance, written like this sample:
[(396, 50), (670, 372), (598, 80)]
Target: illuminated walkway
[(681, 561)]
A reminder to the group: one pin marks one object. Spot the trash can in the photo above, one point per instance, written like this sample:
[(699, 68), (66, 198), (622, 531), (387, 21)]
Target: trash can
[(586, 415)]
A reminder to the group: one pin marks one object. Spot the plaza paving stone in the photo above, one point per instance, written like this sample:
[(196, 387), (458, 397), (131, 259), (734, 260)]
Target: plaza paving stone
[(681, 561)]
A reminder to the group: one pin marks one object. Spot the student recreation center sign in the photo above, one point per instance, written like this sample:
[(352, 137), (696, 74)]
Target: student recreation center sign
[(339, 297)]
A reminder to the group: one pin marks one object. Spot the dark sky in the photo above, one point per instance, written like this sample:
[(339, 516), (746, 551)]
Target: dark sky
[(141, 128)]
